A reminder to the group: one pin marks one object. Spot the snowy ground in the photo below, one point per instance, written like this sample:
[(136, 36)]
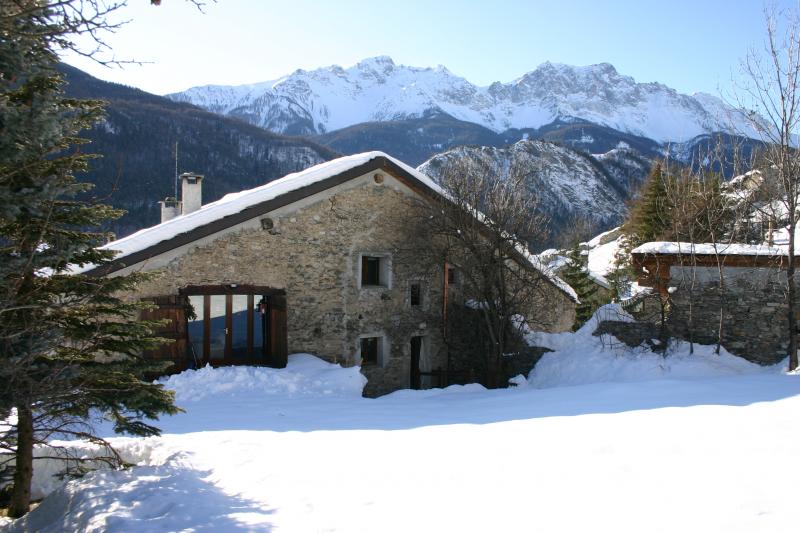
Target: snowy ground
[(634, 443)]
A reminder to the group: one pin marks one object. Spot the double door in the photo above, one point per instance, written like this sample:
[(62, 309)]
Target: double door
[(229, 325)]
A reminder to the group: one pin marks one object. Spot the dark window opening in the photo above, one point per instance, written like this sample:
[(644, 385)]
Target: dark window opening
[(452, 276), (415, 296), (369, 350), (416, 355), (370, 270)]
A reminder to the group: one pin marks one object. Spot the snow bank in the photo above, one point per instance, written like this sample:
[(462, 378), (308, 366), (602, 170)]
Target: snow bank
[(302, 460), (305, 375), (50, 461), (168, 497), (580, 358)]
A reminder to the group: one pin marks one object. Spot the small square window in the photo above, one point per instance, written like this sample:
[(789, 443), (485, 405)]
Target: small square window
[(370, 350), (452, 276), (415, 294), (376, 270), (370, 270)]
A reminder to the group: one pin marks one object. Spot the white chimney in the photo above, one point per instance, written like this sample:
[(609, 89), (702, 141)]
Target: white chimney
[(170, 208), (191, 192)]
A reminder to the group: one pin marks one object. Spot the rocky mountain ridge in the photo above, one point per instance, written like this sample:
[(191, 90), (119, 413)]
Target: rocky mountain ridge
[(378, 90), (572, 187)]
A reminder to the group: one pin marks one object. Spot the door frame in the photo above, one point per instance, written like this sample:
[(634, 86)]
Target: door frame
[(274, 350), (416, 373)]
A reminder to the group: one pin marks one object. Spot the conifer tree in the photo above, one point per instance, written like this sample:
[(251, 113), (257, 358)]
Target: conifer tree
[(577, 276), (69, 344), (649, 218)]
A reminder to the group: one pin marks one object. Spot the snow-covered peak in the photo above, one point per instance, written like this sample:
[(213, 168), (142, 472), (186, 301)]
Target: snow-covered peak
[(378, 89), (377, 62)]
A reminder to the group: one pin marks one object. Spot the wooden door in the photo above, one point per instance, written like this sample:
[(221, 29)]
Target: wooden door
[(171, 312), (277, 331)]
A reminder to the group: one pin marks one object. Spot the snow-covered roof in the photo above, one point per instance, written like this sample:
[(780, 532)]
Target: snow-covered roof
[(239, 201), (687, 248), (539, 265), (235, 203)]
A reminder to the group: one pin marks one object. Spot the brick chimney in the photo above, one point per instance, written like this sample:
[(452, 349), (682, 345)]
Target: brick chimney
[(170, 208), (191, 192)]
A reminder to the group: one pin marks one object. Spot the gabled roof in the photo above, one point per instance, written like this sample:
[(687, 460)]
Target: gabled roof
[(235, 208)]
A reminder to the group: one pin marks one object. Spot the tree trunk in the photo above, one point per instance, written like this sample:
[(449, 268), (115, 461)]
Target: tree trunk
[(23, 471), (494, 371), (790, 296)]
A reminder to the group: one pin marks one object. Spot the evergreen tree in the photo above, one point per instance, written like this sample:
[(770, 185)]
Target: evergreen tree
[(650, 214), (69, 344), (577, 276)]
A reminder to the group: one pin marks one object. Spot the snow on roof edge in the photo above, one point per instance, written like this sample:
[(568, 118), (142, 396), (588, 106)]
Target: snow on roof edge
[(236, 202), (233, 203), (666, 247)]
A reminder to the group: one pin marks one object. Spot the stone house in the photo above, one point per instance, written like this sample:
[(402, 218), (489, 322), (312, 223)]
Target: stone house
[(325, 261), (702, 285)]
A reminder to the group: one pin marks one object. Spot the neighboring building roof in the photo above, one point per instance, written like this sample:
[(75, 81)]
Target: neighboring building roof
[(653, 260), (687, 248), (236, 208)]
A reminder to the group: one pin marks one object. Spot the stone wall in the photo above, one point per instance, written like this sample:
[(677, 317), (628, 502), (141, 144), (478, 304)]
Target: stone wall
[(312, 249), (752, 303)]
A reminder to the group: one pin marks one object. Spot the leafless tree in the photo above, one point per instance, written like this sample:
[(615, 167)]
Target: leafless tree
[(772, 84), (482, 229), (61, 22)]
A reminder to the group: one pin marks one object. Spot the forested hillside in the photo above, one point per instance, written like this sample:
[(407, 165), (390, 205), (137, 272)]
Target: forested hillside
[(137, 142)]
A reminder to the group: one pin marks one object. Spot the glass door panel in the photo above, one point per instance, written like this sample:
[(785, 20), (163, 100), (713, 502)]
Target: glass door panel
[(218, 329), (239, 325), (195, 328)]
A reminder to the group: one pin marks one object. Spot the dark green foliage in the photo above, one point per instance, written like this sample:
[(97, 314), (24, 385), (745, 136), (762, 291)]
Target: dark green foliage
[(69, 345), (577, 276), (679, 205), (650, 215)]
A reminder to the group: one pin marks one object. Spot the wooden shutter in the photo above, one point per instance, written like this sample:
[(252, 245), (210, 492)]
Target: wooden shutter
[(172, 310), (277, 331)]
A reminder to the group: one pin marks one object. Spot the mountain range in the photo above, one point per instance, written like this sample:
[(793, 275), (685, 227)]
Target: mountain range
[(576, 191), (586, 162), (326, 99)]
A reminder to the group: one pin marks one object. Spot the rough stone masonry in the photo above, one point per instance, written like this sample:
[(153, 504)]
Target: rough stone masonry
[(312, 249)]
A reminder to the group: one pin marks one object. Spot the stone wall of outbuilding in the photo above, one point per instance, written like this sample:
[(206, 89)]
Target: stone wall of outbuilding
[(751, 302)]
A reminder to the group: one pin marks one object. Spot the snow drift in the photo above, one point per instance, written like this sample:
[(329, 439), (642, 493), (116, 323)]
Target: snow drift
[(304, 375), (580, 358)]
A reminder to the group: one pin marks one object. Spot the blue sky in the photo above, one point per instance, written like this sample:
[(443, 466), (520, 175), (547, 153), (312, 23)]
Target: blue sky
[(689, 45)]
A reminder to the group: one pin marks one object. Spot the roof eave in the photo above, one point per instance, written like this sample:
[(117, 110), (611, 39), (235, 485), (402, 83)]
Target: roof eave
[(248, 213)]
